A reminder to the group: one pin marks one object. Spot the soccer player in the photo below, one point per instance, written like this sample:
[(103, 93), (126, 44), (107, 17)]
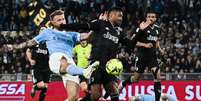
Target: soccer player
[(146, 54), (105, 41), (38, 57), (60, 46), (82, 53)]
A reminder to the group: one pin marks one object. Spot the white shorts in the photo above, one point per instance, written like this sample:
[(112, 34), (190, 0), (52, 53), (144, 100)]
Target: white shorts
[(54, 64)]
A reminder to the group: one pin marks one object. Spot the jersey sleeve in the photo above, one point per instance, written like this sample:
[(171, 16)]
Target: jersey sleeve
[(43, 36), (95, 24), (76, 36)]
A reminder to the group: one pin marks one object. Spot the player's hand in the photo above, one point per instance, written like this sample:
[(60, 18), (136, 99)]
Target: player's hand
[(144, 24), (104, 16), (32, 62), (84, 36), (148, 45)]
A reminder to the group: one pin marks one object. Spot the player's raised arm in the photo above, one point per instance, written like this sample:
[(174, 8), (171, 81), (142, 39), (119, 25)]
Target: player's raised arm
[(93, 25), (84, 36)]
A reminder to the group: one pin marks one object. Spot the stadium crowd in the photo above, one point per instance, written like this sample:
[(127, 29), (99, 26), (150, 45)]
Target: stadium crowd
[(180, 21)]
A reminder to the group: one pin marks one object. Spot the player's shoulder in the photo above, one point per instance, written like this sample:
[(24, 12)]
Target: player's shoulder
[(46, 30), (98, 21), (77, 47), (157, 26)]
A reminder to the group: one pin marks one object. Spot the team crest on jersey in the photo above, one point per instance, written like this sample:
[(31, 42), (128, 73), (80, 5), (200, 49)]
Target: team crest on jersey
[(107, 28), (111, 37)]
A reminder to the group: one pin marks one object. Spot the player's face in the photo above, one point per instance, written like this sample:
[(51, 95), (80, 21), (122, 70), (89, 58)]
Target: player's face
[(58, 20), (151, 17), (116, 17), (83, 43)]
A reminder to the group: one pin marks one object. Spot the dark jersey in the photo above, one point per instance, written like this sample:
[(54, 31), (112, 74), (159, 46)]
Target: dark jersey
[(105, 39), (41, 56), (150, 35)]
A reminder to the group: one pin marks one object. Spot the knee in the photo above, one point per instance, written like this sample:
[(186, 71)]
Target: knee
[(40, 84), (63, 66)]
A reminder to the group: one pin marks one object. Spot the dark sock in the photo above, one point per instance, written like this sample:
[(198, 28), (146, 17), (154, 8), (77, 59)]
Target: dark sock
[(157, 90), (42, 94), (106, 95), (114, 97), (127, 81)]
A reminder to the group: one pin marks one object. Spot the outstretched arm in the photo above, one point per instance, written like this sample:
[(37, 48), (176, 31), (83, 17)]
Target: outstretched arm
[(146, 45), (93, 25), (22, 45), (29, 56), (84, 36)]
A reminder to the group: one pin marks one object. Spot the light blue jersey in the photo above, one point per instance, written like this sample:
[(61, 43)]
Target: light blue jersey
[(58, 41)]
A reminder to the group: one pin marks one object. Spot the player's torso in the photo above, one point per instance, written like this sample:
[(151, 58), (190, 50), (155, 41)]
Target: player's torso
[(60, 41), (83, 54), (151, 36), (105, 41), (41, 56)]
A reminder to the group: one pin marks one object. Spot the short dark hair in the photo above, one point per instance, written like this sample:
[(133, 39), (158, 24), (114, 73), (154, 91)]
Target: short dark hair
[(57, 12), (115, 9), (151, 11)]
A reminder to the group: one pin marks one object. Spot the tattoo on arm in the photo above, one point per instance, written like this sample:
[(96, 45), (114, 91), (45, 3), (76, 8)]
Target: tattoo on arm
[(25, 44)]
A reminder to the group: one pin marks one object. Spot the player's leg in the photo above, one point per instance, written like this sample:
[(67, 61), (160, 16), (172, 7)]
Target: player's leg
[(61, 64), (96, 92), (134, 78), (84, 88), (38, 82), (153, 63), (157, 84), (72, 89), (46, 78), (112, 89), (140, 65), (71, 84), (95, 84)]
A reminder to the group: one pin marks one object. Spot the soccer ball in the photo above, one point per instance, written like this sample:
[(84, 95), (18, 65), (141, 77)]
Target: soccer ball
[(114, 67)]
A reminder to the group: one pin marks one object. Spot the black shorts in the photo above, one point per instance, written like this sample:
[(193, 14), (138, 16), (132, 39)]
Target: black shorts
[(145, 61), (41, 75), (100, 76)]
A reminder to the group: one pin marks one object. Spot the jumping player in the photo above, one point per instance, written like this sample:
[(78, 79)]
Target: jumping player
[(60, 45)]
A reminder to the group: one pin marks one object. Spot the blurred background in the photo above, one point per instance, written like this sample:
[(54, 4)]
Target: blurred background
[(180, 21)]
